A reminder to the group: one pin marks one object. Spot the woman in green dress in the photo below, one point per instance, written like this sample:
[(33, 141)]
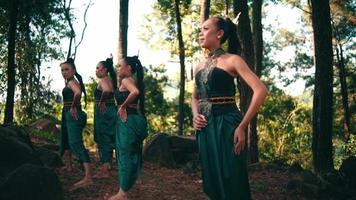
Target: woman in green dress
[(219, 124), (132, 126), (74, 120), (105, 117)]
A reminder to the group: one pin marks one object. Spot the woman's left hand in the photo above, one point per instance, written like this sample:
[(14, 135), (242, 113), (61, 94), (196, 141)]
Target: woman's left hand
[(239, 140), (122, 113)]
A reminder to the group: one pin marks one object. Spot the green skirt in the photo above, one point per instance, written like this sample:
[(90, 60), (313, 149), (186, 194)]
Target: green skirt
[(129, 138), (224, 173), (104, 132), (72, 135)]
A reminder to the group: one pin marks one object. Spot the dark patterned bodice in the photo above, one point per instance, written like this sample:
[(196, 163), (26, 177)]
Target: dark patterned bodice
[(68, 96), (121, 96), (98, 93), (215, 82)]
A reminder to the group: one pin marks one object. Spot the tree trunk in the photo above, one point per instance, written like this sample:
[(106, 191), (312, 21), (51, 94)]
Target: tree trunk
[(323, 91), (257, 35), (227, 5), (123, 23), (72, 32), (182, 69), (247, 52), (344, 92), (258, 55), (11, 82), (204, 10)]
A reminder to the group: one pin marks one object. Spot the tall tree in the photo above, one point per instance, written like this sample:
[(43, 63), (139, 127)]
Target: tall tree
[(11, 82), (247, 52), (323, 90), (40, 27), (257, 35), (204, 10), (182, 69), (72, 34), (67, 15), (227, 5), (342, 34), (123, 23), (344, 93), (258, 55)]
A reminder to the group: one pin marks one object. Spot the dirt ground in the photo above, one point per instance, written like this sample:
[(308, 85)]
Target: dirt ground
[(160, 183)]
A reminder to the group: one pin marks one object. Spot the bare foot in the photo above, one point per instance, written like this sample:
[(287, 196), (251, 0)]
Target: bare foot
[(67, 161), (101, 175), (119, 196), (82, 184), (103, 172)]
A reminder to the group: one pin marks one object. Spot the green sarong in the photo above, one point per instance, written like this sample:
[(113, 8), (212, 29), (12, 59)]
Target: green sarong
[(224, 173), (104, 132), (129, 138), (64, 144), (72, 135)]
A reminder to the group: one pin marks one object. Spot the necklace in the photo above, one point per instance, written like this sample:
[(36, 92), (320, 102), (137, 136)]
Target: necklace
[(210, 63)]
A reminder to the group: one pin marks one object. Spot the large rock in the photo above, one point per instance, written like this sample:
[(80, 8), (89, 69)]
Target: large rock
[(310, 178), (15, 150), (52, 147), (18, 133), (184, 149), (310, 190), (49, 158), (348, 170), (295, 168), (31, 182), (158, 150), (46, 125), (171, 151), (186, 143), (294, 185), (22, 171)]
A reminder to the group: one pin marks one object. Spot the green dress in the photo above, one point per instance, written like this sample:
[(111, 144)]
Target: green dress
[(224, 174), (72, 129), (129, 138), (105, 126)]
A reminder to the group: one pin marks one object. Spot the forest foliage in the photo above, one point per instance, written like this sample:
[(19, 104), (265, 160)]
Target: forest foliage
[(284, 121)]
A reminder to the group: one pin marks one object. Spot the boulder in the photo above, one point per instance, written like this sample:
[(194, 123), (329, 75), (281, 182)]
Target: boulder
[(18, 133), (49, 158), (348, 170), (192, 167), (310, 190), (308, 177), (171, 151), (46, 125), (293, 185), (158, 150), (187, 144), (184, 149), (31, 182), (22, 171), (15, 150), (295, 168), (52, 147)]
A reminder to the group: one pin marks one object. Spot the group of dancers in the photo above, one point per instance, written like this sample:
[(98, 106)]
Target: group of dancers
[(120, 123)]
